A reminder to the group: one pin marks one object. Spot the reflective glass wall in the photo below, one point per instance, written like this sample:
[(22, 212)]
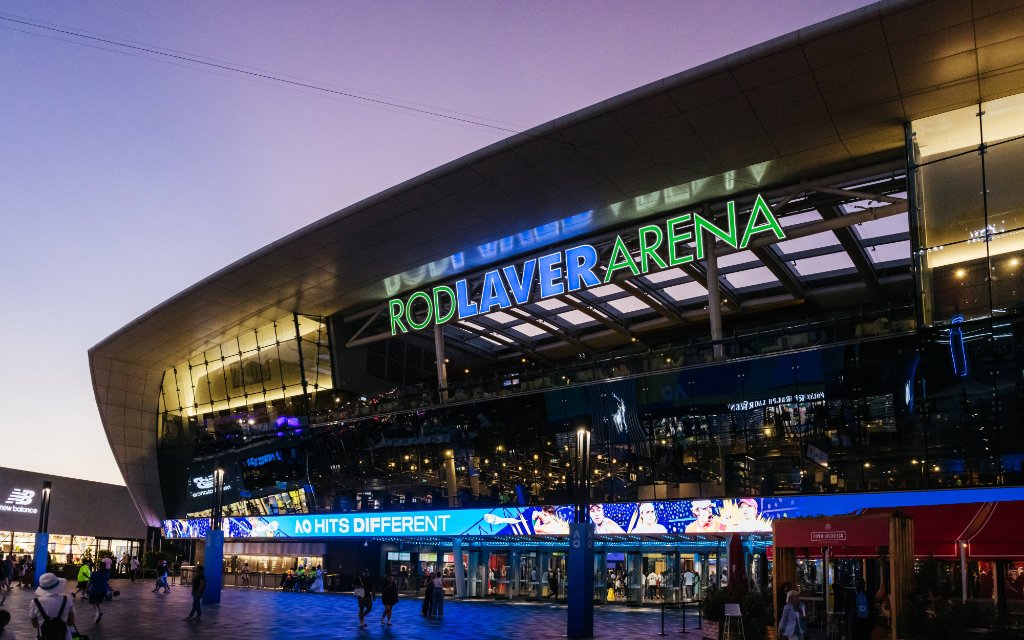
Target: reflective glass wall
[(970, 210)]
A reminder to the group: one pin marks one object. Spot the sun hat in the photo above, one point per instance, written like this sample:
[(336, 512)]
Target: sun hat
[(50, 584)]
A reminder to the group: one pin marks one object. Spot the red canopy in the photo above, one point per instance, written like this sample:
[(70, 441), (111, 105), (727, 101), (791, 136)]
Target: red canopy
[(937, 528), (1001, 535)]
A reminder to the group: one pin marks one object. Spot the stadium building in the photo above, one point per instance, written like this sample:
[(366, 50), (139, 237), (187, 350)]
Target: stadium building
[(785, 282)]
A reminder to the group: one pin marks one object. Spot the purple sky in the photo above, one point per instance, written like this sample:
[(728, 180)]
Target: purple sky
[(127, 179)]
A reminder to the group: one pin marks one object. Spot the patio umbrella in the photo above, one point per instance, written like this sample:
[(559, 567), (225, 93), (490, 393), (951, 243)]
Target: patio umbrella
[(737, 564)]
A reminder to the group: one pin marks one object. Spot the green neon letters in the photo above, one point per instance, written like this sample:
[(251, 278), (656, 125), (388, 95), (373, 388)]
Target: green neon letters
[(660, 247)]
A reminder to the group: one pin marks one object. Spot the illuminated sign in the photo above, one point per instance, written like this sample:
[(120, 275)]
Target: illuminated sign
[(707, 516), (204, 486), (18, 501), (259, 461), (576, 268)]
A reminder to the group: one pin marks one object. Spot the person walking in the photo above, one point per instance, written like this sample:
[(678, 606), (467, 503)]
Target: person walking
[(96, 589), (793, 623), (428, 594), (553, 584), (133, 567), (388, 598), (198, 589), (161, 577), (245, 575), (318, 582), (364, 594), (52, 613), (437, 598), (84, 573)]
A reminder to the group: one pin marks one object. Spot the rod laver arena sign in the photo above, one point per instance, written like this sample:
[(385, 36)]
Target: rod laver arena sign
[(575, 269)]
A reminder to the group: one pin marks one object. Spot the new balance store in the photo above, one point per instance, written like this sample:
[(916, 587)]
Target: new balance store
[(87, 519)]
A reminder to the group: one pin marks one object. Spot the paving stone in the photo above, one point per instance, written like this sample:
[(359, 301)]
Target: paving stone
[(255, 615)]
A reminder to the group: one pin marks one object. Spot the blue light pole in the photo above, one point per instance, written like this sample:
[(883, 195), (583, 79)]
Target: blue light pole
[(213, 554), (580, 578), (42, 546)]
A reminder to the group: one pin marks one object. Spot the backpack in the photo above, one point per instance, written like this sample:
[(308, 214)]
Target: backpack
[(862, 606), (53, 628)]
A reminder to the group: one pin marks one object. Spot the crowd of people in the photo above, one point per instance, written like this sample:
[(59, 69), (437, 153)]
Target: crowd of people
[(300, 579)]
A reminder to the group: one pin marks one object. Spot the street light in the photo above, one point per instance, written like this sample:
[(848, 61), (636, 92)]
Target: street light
[(218, 498), (582, 484), (44, 508)]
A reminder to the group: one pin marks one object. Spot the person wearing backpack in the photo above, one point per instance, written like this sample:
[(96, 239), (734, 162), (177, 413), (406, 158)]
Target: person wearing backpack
[(52, 613), (198, 589), (859, 612)]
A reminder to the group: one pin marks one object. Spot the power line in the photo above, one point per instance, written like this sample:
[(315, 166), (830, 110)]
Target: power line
[(264, 75)]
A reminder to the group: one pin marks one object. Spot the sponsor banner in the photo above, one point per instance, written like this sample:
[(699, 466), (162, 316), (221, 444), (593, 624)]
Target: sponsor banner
[(738, 515)]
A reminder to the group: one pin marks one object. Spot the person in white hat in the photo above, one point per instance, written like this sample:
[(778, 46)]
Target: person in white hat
[(51, 602)]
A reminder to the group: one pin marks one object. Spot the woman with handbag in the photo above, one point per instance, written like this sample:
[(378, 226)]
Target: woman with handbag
[(364, 594)]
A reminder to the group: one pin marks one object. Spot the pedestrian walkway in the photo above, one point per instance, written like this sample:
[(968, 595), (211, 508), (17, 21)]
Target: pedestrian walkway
[(251, 615)]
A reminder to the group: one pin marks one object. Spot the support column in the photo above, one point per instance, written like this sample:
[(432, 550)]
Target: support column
[(715, 305), (213, 559), (460, 571), (451, 480), (580, 572), (963, 570), (442, 367)]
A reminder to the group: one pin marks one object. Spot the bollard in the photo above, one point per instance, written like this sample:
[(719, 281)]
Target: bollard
[(662, 619)]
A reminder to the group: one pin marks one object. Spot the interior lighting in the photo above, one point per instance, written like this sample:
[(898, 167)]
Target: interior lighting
[(960, 274), (1014, 262)]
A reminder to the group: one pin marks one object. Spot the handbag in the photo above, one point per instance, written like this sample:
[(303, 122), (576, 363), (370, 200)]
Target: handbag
[(359, 592)]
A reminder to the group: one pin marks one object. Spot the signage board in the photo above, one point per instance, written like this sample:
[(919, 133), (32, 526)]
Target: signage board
[(708, 516), (576, 268)]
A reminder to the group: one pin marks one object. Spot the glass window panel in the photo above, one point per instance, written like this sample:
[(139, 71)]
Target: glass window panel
[(605, 290), (229, 348), (213, 354), (291, 373), (1002, 118), (800, 218), (832, 262), (1003, 164), (307, 326), (575, 317), (686, 291), (946, 134), (266, 335), (806, 243), (658, 277), (890, 252), (1006, 265), (951, 200), (629, 305), (887, 226), (247, 341), (500, 318), (733, 259), (957, 288), (750, 278), (551, 305), (529, 330)]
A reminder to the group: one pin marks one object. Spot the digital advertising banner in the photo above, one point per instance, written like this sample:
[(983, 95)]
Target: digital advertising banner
[(738, 515)]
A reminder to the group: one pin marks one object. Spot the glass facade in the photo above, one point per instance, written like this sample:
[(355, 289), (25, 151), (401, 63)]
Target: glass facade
[(970, 210), (242, 394)]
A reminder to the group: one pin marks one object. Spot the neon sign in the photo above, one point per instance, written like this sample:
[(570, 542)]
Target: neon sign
[(576, 268)]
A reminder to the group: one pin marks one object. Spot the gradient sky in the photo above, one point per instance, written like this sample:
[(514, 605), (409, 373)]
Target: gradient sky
[(125, 178)]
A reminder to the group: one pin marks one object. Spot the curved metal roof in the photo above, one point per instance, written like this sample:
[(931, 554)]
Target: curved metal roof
[(820, 100)]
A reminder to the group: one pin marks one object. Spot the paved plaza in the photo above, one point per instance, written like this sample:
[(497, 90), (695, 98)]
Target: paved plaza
[(252, 615)]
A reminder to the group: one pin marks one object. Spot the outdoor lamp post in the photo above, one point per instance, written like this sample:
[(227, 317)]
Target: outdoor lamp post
[(42, 545), (580, 578), (218, 499)]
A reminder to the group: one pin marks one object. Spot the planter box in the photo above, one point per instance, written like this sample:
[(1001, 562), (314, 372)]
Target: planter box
[(709, 630)]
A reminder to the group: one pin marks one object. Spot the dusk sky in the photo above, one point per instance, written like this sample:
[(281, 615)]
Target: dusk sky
[(128, 176)]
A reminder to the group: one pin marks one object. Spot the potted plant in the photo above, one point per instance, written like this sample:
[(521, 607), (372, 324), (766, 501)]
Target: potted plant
[(713, 611)]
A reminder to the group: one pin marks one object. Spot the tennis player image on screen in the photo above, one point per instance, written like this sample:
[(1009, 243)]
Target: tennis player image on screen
[(705, 520), (645, 520), (602, 523), (547, 521)]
